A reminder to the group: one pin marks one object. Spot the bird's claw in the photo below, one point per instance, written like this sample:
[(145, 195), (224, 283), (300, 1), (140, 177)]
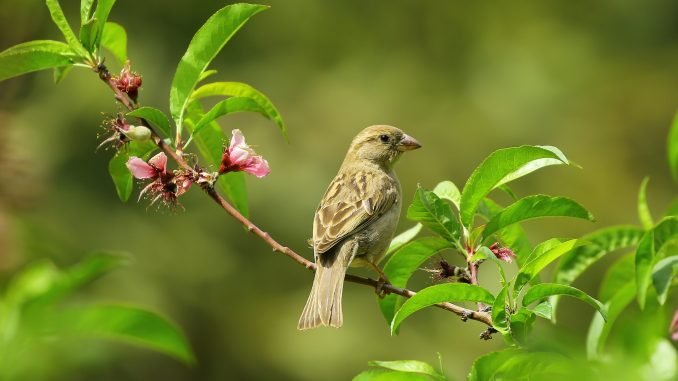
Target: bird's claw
[(380, 290)]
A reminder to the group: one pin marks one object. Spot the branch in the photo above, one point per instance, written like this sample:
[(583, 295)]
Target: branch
[(121, 97)]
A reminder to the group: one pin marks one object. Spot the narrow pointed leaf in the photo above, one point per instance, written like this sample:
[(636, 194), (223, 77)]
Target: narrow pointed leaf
[(101, 13), (499, 316), (61, 72), (435, 214), (602, 242), (242, 90), (544, 290), (535, 207), (129, 325), (228, 106), (382, 374), (402, 264), (501, 167), (33, 56), (114, 39), (205, 45), (618, 275), (210, 142), (60, 20), (663, 274), (644, 214), (409, 366), (88, 34), (449, 292), (653, 241), (156, 117), (672, 148), (600, 329), (537, 264), (85, 10)]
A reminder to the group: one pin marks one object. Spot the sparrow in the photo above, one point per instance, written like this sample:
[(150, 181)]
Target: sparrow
[(356, 219)]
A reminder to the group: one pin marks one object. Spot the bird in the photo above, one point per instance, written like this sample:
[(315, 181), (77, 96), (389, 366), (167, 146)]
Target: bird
[(356, 219)]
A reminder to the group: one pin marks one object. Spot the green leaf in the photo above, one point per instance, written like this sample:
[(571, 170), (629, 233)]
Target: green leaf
[(85, 10), (499, 316), (33, 56), (402, 264), (129, 325), (539, 262), (648, 247), (101, 13), (602, 242), (529, 366), (543, 309), (258, 102), (512, 236), (544, 290), (501, 167), (205, 45), (599, 329), (381, 374), (228, 106), (618, 275), (663, 274), (206, 74), (61, 72), (117, 168), (401, 239), (435, 214), (643, 209), (449, 292), (521, 324), (61, 22), (210, 142), (33, 281), (484, 367), (409, 366), (447, 190), (88, 33), (534, 207), (114, 39), (156, 117), (672, 148)]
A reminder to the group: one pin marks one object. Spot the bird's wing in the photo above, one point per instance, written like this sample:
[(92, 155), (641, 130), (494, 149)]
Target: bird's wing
[(352, 201)]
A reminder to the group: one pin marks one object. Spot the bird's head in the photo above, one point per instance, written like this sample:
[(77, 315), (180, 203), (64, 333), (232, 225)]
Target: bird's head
[(381, 144)]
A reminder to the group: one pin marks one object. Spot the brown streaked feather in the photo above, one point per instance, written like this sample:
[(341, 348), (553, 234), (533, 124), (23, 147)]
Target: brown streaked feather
[(350, 204)]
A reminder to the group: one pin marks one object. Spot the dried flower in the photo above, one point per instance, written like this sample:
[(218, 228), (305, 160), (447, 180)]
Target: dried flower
[(502, 253), (120, 132), (446, 271), (128, 81), (164, 185), (241, 157)]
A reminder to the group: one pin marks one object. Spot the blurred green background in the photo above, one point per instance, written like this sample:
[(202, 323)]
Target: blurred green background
[(597, 79)]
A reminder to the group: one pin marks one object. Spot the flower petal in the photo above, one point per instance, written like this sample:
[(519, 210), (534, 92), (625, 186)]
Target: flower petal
[(258, 166), (237, 140), (159, 161), (140, 169)]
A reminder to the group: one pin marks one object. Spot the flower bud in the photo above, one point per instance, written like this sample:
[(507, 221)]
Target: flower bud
[(138, 133)]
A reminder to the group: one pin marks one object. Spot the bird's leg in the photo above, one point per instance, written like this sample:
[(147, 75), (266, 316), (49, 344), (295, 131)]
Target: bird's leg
[(383, 279)]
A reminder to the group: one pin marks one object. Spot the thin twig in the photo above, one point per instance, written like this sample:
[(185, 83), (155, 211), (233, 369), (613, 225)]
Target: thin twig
[(121, 97)]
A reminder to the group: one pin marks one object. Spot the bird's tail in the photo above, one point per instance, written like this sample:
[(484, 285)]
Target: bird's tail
[(323, 307)]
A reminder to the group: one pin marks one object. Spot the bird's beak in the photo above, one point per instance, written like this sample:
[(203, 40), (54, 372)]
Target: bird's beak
[(408, 143)]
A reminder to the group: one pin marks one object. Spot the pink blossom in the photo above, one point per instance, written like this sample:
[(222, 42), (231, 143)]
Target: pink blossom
[(128, 81), (165, 186), (502, 253), (241, 157)]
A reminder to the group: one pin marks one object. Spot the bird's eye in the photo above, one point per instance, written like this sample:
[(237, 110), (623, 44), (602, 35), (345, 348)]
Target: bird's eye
[(384, 138)]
